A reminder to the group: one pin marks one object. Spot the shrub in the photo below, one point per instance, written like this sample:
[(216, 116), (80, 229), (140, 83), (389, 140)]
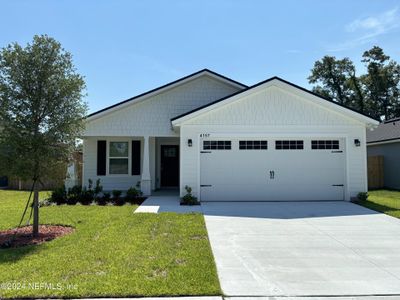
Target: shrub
[(87, 196), (103, 200), (132, 194), (362, 196), (98, 188), (59, 196), (117, 199), (189, 199), (74, 194)]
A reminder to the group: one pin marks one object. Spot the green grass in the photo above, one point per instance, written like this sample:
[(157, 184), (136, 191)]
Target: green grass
[(112, 252), (384, 201)]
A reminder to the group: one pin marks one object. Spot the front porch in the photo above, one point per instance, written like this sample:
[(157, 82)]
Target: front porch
[(166, 201), (160, 166), (121, 162)]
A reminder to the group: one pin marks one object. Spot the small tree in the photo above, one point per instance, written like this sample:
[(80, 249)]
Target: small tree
[(41, 110)]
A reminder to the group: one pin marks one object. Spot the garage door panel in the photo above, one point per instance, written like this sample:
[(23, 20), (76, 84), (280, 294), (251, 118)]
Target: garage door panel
[(226, 192), (245, 175)]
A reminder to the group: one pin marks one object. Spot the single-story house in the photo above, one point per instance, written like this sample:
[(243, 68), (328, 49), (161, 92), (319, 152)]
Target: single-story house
[(273, 141), (384, 142)]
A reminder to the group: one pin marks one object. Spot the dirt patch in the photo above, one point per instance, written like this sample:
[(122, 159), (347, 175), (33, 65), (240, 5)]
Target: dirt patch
[(198, 237), (180, 261), (18, 237)]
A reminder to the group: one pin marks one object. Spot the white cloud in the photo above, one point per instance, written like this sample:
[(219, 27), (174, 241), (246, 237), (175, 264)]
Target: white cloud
[(366, 29), (378, 24)]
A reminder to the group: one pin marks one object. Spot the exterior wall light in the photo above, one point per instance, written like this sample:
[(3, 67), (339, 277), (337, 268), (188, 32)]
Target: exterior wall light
[(357, 143), (189, 142)]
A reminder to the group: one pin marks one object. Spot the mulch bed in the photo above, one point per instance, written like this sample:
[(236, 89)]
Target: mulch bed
[(18, 237), (139, 200)]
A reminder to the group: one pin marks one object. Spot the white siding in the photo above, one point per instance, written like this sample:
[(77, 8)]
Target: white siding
[(272, 106), (275, 113), (152, 116)]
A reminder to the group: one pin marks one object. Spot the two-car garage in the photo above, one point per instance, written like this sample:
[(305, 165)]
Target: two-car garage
[(272, 169), (273, 141)]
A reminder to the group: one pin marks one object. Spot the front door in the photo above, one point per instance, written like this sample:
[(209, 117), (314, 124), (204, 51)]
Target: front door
[(169, 165)]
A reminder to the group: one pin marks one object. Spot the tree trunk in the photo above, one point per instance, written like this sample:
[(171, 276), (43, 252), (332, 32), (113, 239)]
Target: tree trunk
[(35, 231)]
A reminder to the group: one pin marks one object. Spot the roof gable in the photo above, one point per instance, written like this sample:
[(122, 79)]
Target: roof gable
[(152, 116), (163, 88), (284, 85)]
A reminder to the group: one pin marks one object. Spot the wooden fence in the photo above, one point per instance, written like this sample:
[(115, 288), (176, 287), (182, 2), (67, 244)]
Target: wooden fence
[(375, 172)]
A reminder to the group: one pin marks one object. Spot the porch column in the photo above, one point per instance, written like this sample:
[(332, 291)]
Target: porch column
[(145, 181)]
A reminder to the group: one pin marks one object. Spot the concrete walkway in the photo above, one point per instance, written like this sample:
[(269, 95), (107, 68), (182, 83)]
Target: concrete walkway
[(167, 203), (304, 249)]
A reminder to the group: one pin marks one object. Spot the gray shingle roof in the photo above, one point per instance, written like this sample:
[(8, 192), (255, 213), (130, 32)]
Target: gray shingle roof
[(388, 130)]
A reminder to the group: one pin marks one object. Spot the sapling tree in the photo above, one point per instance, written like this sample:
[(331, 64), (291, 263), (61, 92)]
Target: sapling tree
[(41, 111)]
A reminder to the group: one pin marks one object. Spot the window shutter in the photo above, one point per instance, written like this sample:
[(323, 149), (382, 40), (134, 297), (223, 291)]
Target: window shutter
[(101, 157), (135, 157)]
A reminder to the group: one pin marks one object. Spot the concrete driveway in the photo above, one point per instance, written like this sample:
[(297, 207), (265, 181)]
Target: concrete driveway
[(304, 249)]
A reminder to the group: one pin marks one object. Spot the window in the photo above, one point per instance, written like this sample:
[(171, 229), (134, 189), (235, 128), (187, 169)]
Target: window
[(119, 158), (253, 145), (217, 145), (289, 145), (169, 152), (325, 144)]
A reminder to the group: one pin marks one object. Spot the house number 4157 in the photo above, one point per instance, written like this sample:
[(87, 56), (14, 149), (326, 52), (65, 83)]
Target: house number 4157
[(204, 135)]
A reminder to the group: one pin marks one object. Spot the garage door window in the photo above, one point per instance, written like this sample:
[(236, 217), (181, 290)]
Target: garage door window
[(289, 145), (324, 144), (253, 145), (217, 145)]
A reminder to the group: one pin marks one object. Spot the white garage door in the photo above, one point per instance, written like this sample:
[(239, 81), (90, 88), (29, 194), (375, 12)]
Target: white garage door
[(248, 169)]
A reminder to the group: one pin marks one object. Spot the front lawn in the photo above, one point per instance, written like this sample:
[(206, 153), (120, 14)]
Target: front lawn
[(384, 201), (112, 252)]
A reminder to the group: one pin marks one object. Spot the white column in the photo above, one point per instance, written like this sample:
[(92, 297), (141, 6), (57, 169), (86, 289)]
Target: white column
[(145, 181)]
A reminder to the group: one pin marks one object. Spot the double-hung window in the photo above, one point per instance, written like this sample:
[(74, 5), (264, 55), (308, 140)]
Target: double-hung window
[(119, 158)]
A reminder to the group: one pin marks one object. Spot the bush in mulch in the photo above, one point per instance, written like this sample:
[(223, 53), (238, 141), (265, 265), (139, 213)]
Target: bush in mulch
[(117, 199), (18, 237), (137, 200), (134, 196), (103, 200), (189, 199), (93, 194)]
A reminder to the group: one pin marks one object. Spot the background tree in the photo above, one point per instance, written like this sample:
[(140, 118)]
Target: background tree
[(334, 76), (375, 93), (381, 83), (41, 110)]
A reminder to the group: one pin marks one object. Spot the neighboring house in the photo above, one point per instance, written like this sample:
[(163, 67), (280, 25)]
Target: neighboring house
[(74, 171), (58, 177), (229, 142), (384, 142)]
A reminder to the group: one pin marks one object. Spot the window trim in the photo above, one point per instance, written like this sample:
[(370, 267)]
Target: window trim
[(218, 149), (332, 141), (289, 142), (247, 144), (128, 174)]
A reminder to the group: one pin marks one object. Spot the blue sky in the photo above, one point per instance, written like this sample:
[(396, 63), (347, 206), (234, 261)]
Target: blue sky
[(127, 47)]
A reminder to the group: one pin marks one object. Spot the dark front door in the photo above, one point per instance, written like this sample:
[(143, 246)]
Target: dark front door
[(169, 165)]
